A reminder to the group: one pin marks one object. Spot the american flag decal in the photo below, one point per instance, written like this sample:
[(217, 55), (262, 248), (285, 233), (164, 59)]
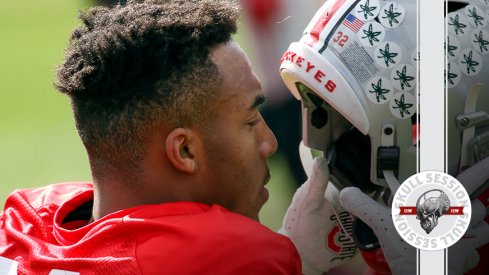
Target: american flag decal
[(353, 23)]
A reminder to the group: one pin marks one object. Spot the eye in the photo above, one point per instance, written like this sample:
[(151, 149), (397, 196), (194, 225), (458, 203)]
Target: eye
[(254, 122)]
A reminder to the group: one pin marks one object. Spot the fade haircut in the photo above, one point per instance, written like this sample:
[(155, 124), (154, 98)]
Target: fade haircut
[(133, 67)]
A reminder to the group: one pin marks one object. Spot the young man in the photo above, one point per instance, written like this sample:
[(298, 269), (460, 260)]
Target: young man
[(166, 105)]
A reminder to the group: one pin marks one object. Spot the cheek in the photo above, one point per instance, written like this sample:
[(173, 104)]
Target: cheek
[(244, 147), (237, 150)]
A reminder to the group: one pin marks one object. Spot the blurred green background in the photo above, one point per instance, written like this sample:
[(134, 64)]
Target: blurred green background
[(38, 141)]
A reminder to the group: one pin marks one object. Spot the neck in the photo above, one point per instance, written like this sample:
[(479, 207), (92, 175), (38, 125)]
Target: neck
[(109, 197), (114, 195)]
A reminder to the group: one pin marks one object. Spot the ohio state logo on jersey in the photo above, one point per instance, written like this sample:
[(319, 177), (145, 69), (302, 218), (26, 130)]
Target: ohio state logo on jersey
[(339, 241)]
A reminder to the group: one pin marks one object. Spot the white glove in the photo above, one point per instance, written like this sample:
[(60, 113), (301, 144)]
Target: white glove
[(400, 256), (310, 219)]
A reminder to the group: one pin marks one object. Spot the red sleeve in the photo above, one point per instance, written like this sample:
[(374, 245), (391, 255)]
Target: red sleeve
[(296, 263)]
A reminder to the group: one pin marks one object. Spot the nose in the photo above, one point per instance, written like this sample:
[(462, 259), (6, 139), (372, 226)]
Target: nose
[(269, 145)]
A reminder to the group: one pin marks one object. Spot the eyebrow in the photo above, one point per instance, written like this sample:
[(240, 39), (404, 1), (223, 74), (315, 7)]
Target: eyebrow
[(259, 99)]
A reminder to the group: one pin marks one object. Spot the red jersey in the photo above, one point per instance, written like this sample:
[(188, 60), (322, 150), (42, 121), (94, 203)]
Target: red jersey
[(46, 231)]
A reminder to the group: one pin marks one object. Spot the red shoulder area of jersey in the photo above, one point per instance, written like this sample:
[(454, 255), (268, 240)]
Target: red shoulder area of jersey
[(170, 238)]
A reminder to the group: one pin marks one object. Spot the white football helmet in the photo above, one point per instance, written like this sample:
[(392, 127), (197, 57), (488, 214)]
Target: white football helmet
[(355, 71), (467, 82)]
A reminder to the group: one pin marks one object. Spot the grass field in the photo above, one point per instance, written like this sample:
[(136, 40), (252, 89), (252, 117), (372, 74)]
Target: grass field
[(38, 141), (38, 144)]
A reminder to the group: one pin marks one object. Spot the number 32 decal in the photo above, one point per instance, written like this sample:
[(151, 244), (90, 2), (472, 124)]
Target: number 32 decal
[(341, 39)]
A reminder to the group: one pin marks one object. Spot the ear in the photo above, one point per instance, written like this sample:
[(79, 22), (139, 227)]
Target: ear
[(181, 148)]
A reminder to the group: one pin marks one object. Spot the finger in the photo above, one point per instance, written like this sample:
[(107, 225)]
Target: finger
[(478, 212), (475, 175), (312, 191), (362, 206), (306, 158), (319, 177)]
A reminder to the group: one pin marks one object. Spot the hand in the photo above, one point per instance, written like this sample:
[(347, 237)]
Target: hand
[(399, 255), (311, 223)]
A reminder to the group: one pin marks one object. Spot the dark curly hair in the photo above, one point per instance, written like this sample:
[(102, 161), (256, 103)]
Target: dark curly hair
[(135, 66)]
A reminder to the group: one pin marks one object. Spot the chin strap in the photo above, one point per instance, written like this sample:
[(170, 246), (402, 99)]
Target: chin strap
[(391, 181)]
